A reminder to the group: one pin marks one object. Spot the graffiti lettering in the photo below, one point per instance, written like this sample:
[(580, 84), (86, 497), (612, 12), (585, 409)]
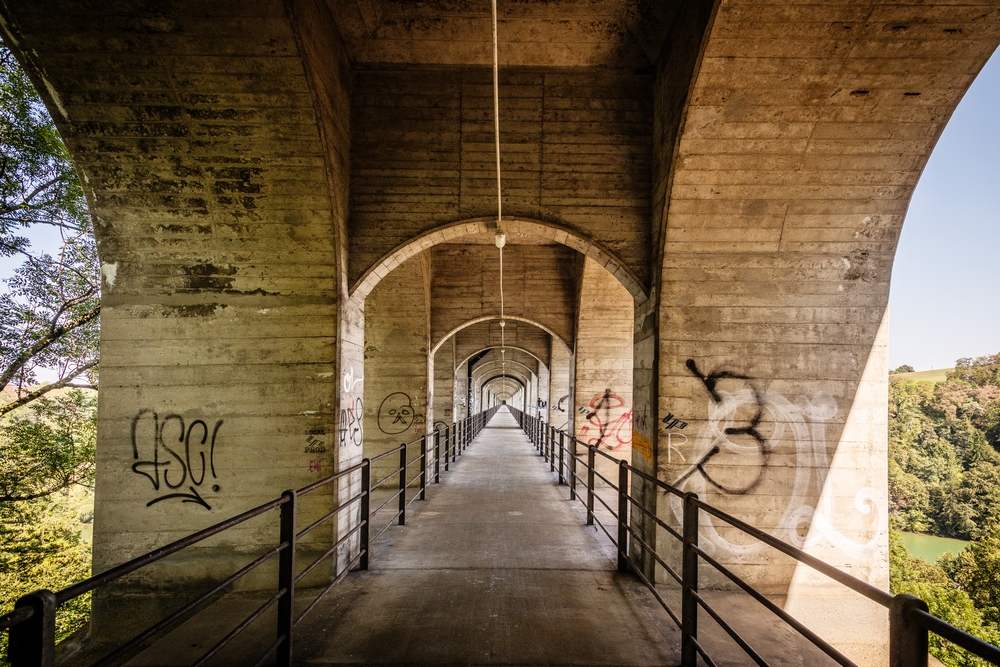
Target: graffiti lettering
[(671, 422), (313, 444), (351, 429), (746, 427), (612, 432), (187, 462)]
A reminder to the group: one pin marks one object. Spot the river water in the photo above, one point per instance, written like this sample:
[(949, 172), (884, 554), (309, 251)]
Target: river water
[(930, 547)]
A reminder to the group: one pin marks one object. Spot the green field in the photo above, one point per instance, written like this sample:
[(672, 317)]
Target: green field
[(937, 375)]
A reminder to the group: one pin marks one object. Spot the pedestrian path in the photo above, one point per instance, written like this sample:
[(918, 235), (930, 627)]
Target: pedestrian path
[(494, 568)]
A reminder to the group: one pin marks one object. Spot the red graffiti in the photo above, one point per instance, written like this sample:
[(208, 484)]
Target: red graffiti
[(315, 466), (612, 432)]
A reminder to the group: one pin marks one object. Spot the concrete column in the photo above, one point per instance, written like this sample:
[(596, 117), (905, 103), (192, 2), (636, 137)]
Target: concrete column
[(396, 345), (560, 401), (444, 387), (603, 358), (461, 392), (543, 392)]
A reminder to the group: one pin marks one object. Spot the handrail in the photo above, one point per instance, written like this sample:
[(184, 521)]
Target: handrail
[(31, 623), (909, 620)]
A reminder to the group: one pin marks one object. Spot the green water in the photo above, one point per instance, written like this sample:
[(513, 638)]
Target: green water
[(930, 547)]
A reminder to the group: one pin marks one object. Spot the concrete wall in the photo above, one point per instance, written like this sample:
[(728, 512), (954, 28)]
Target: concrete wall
[(577, 152), (396, 346)]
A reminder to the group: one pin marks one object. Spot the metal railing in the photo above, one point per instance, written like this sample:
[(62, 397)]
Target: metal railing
[(909, 620), (32, 622)]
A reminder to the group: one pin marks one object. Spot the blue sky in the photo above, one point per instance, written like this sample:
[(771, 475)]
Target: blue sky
[(945, 297)]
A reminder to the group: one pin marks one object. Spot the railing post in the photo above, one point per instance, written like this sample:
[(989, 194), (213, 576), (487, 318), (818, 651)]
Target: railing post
[(542, 445), (33, 642), (286, 580), (454, 442), (437, 457), (364, 541), (689, 577), (907, 638), (572, 469), (423, 467), (402, 485), (622, 516), (591, 452), (447, 444), (562, 457), (550, 432)]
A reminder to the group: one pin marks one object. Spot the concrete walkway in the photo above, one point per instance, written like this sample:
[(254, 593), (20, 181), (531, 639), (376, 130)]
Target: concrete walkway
[(494, 568)]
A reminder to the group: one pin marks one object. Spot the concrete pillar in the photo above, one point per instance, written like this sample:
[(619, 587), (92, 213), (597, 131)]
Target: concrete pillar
[(560, 401), (396, 345), (444, 387), (603, 358), (461, 392)]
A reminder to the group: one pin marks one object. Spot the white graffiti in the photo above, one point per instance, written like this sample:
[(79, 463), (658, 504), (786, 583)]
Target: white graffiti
[(350, 382), (797, 439)]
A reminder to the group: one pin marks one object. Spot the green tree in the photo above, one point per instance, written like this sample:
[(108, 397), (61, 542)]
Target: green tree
[(49, 313), (977, 571)]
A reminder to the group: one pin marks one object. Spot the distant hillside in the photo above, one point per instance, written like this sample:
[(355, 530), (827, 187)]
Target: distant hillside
[(937, 375)]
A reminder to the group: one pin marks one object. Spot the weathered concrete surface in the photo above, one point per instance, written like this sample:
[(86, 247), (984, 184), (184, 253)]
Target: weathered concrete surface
[(397, 340), (603, 356)]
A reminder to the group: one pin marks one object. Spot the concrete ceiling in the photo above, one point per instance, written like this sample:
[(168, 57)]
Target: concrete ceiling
[(562, 33)]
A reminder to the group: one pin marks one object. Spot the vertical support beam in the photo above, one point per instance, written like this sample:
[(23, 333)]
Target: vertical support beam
[(907, 638), (689, 577), (33, 642), (402, 485), (286, 579), (550, 433), (364, 541), (622, 516)]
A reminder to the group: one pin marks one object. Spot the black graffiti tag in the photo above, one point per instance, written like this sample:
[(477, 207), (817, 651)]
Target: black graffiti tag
[(750, 429), (396, 413), (180, 455), (351, 426)]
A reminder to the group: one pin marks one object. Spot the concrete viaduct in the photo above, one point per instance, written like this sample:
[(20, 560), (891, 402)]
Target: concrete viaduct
[(295, 206)]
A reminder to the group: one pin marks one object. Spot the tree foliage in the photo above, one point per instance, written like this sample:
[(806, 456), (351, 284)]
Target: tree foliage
[(49, 311), (944, 467)]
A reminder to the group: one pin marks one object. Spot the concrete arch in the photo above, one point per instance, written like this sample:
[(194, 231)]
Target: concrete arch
[(476, 226), (483, 386), (509, 347), (487, 369), (488, 318)]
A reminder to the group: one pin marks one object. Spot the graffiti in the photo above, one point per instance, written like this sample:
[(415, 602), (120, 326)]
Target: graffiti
[(188, 460), (351, 429), (560, 406), (396, 413), (440, 426), (350, 382), (313, 444), (753, 435), (612, 433), (671, 422), (542, 404), (316, 466)]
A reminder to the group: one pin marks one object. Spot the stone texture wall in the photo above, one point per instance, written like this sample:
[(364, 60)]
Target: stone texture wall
[(560, 396)]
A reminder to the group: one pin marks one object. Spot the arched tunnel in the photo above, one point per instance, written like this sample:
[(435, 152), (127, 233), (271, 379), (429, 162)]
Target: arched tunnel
[(295, 208)]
